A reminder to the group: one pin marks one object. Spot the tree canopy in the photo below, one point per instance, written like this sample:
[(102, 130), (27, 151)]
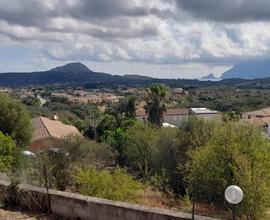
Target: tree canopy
[(8, 153), (14, 120), (157, 97), (236, 154)]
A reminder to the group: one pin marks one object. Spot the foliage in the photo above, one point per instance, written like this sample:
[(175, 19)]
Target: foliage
[(8, 153), (237, 154), (227, 98), (157, 97), (131, 107), (14, 120), (70, 152), (140, 148), (116, 185), (118, 142)]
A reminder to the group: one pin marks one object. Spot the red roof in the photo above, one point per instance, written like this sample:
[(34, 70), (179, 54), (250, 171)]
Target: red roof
[(45, 128)]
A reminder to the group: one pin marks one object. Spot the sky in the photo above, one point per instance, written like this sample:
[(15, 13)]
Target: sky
[(159, 38)]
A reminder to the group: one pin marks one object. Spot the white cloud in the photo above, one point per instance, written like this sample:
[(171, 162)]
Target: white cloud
[(155, 35)]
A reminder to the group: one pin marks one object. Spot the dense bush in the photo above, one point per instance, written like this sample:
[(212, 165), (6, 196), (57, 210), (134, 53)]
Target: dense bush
[(14, 120), (116, 185), (68, 154), (140, 148), (238, 154), (8, 153)]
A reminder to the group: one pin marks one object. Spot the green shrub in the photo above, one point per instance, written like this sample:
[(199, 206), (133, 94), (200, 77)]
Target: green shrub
[(236, 154), (116, 185), (14, 120), (8, 153)]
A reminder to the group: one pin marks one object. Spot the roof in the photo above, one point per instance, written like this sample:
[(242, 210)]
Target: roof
[(259, 121), (265, 112), (203, 111), (176, 111), (45, 128)]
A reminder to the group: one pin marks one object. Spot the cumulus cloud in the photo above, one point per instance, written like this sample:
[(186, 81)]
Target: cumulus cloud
[(147, 33)]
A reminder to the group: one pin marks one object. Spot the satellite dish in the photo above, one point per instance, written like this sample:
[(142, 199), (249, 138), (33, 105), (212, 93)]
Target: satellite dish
[(234, 194)]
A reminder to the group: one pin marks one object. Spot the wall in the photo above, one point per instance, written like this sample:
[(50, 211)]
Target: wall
[(75, 206), (176, 120), (205, 116)]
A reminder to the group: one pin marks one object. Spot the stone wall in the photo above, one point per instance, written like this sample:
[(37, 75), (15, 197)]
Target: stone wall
[(79, 207)]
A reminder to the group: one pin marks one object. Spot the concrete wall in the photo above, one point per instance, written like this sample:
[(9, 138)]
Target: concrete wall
[(176, 120), (79, 207), (217, 116)]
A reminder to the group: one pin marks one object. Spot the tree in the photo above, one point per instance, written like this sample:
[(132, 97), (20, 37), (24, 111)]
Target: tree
[(238, 154), (130, 110), (8, 153), (14, 120), (141, 140), (117, 140), (157, 97)]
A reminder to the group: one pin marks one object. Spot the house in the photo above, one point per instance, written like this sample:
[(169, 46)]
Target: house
[(177, 116), (47, 132), (262, 113), (259, 117)]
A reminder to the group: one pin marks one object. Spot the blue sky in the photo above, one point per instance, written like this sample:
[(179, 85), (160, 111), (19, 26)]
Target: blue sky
[(160, 38)]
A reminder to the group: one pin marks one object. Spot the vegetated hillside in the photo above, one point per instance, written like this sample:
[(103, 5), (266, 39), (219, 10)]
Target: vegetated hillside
[(249, 70), (79, 74), (71, 73)]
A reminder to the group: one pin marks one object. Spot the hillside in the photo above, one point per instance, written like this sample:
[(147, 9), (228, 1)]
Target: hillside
[(249, 70), (71, 73), (79, 74)]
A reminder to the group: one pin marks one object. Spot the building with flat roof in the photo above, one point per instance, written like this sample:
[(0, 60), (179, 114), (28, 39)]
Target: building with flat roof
[(205, 113), (177, 116)]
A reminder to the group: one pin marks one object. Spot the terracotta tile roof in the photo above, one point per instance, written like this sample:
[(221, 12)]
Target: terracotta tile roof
[(40, 131), (264, 121), (176, 111), (265, 112), (45, 128)]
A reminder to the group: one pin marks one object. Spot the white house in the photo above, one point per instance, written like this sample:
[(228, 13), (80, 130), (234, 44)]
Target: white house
[(177, 116)]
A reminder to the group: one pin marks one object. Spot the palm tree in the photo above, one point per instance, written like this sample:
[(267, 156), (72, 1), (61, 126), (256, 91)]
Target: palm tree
[(157, 98), (131, 107)]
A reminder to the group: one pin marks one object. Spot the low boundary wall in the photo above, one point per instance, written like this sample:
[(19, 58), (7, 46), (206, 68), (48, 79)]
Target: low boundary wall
[(79, 207)]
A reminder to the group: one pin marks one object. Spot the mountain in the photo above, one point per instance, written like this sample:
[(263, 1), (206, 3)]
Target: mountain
[(79, 74), (72, 67), (76, 73), (249, 70), (210, 77)]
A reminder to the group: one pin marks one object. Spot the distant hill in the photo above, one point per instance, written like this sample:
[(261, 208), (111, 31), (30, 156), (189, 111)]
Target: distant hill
[(249, 70), (79, 74), (76, 73)]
